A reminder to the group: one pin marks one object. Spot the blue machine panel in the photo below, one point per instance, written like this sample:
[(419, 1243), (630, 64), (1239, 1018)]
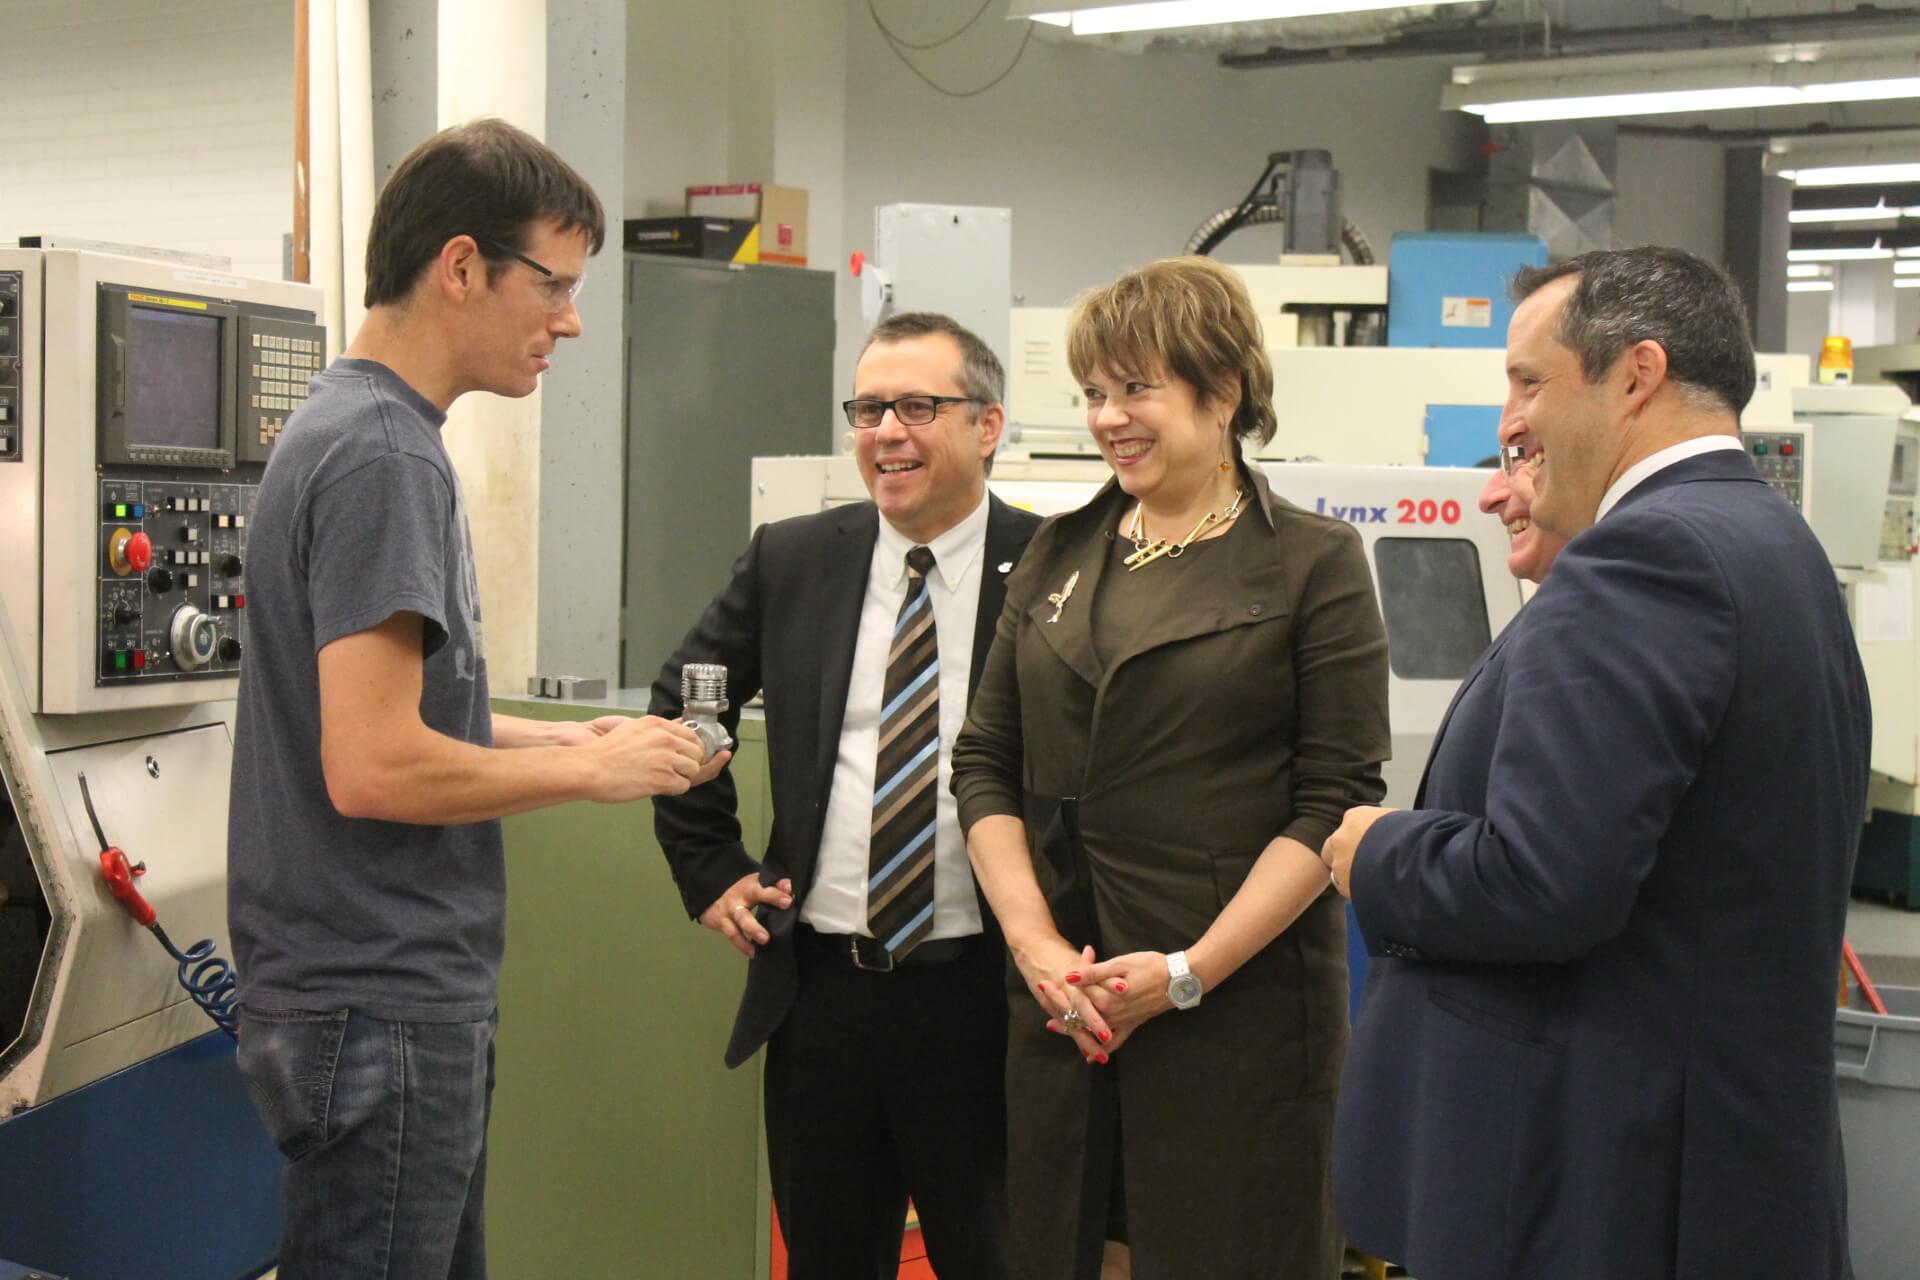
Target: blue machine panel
[(1462, 435), (1449, 289), (158, 1172)]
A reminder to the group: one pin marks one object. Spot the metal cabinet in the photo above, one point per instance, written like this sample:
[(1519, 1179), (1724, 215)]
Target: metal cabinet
[(724, 363)]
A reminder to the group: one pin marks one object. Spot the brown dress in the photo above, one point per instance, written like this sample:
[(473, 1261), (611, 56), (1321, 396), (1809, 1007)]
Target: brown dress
[(1241, 697)]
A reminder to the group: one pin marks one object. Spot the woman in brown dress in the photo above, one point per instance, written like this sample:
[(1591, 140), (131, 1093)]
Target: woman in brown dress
[(1186, 690)]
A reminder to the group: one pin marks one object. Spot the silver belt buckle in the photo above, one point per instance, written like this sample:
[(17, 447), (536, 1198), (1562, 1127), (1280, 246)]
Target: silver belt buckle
[(860, 959)]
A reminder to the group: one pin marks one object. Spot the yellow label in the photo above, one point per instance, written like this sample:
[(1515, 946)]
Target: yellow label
[(188, 303)]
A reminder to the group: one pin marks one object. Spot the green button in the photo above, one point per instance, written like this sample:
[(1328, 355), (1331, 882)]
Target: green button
[(1761, 448), (120, 510), (120, 661)]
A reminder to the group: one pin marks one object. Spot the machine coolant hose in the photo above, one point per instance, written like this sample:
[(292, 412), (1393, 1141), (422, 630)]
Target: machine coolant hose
[(207, 977)]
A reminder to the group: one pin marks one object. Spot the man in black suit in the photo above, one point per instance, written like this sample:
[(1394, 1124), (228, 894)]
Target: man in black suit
[(1598, 1040), (876, 974)]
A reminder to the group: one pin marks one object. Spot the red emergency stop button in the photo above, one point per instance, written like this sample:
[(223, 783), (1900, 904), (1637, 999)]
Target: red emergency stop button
[(1786, 450), (140, 552)]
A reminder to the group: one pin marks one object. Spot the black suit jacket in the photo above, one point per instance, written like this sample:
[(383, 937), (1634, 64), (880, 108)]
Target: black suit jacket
[(786, 627), (1600, 1044)]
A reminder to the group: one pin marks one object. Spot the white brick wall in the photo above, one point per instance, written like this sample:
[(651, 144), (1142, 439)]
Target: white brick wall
[(155, 122)]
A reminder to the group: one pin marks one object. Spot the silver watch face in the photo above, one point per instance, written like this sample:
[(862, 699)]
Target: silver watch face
[(1184, 991)]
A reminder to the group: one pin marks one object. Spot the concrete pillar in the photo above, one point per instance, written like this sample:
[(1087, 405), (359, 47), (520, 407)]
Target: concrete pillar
[(406, 79), (582, 435), (1757, 238)]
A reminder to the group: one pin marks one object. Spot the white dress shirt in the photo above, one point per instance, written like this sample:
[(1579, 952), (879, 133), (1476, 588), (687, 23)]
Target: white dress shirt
[(837, 903), (1634, 476)]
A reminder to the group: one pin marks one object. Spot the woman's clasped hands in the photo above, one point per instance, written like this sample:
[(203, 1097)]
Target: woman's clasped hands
[(1098, 1004)]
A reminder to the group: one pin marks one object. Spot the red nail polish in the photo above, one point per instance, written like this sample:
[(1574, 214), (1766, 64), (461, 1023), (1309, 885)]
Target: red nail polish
[(1074, 977), (1044, 988), (1101, 1059), (1105, 1036), (1120, 986)]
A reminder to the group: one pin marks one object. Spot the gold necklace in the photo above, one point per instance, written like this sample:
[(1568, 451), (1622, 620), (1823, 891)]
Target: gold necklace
[(1146, 550)]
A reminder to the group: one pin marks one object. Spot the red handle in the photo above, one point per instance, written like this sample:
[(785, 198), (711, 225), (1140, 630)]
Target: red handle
[(120, 874), (1874, 1001)]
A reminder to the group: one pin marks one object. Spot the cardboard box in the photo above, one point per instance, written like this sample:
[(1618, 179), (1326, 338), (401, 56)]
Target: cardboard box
[(723, 239), (780, 211)]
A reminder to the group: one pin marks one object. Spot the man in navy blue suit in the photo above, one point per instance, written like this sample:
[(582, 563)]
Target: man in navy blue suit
[(1597, 1039)]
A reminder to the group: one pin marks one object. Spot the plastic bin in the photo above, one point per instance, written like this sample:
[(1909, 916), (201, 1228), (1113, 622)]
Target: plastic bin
[(1877, 1058)]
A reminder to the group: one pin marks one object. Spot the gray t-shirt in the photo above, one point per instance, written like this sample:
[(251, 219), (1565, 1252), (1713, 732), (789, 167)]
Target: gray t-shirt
[(359, 518)]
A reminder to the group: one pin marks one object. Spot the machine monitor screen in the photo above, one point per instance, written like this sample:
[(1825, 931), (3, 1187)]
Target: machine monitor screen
[(173, 379), (1434, 604)]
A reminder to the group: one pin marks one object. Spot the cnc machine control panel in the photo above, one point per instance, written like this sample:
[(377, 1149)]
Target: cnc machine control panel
[(10, 448), (170, 585), (1781, 457)]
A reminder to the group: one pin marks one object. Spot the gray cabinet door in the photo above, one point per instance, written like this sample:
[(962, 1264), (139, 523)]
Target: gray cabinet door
[(724, 364)]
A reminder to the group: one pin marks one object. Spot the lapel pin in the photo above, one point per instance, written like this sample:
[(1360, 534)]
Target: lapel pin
[(1059, 598), (1006, 566)]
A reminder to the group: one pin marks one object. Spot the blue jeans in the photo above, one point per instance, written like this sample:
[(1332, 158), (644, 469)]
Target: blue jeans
[(384, 1130)]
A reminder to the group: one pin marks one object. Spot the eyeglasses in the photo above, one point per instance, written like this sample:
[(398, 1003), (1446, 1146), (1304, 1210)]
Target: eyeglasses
[(1514, 457), (555, 293), (911, 411)]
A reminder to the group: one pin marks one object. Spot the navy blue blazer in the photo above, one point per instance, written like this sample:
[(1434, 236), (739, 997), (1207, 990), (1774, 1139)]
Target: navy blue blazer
[(1598, 1044)]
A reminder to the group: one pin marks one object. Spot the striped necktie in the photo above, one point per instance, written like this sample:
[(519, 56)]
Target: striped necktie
[(900, 857)]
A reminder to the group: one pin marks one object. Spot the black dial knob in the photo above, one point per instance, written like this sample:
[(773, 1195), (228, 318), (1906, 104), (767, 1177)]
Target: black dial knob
[(231, 566), (161, 580), (124, 614), (229, 649)]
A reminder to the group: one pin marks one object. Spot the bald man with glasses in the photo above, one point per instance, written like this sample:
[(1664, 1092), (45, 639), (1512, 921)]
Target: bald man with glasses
[(875, 975)]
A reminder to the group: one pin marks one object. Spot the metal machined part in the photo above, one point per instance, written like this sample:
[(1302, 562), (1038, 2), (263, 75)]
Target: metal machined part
[(703, 696)]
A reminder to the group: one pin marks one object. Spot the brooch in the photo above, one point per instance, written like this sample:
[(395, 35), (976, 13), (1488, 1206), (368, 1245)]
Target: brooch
[(1059, 598)]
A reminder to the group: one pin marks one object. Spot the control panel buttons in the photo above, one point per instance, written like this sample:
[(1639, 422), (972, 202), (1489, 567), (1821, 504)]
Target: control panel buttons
[(229, 649), (129, 552), (161, 580)]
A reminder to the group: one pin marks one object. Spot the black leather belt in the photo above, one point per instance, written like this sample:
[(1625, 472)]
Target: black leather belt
[(867, 953)]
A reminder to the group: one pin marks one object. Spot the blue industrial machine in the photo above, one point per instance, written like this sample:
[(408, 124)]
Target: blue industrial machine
[(139, 402), (1450, 290)]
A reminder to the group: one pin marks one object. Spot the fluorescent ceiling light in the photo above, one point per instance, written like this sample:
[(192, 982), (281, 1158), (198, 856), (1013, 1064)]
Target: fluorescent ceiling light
[(1853, 175), (1529, 110), (1790, 75), (1874, 214), (1806, 270), (1159, 15), (1837, 255), (1904, 267), (1813, 286), (1906, 282)]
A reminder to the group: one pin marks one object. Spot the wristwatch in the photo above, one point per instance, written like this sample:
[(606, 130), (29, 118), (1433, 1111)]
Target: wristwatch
[(1183, 988)]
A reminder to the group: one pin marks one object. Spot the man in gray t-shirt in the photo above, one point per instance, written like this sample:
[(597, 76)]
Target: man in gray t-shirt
[(366, 881)]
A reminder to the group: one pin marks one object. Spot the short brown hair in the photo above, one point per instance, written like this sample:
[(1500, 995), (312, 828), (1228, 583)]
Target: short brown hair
[(1190, 317), (484, 179)]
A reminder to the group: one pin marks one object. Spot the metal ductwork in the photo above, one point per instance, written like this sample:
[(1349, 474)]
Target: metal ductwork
[(1557, 181)]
